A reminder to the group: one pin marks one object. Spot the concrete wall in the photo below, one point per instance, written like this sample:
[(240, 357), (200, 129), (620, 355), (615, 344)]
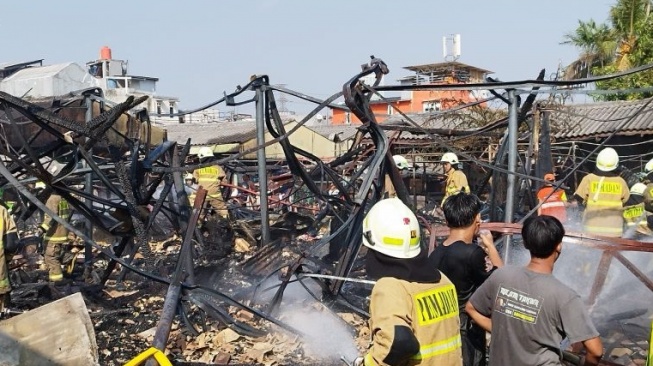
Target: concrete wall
[(303, 138)]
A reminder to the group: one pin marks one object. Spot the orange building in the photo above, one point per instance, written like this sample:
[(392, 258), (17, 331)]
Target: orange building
[(424, 101)]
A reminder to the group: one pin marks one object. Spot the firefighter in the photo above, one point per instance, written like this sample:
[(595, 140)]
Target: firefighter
[(190, 187), (634, 212), (552, 201), (402, 164), (413, 307), (603, 193), (456, 180), (56, 239), (648, 192), (209, 178), (8, 244)]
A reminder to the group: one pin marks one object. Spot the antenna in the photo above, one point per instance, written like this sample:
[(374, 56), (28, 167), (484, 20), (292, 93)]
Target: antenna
[(451, 46), (283, 100)]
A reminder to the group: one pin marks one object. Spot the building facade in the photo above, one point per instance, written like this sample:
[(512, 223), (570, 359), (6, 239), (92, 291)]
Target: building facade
[(424, 101)]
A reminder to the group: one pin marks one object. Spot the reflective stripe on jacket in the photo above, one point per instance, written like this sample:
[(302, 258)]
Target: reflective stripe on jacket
[(554, 205), (455, 183), (414, 324), (604, 198), (54, 232), (209, 178)]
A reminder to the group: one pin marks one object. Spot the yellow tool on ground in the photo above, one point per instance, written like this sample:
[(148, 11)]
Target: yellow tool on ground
[(649, 359), (143, 356)]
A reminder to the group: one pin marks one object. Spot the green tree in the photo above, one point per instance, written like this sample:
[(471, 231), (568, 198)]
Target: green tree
[(597, 45), (625, 42)]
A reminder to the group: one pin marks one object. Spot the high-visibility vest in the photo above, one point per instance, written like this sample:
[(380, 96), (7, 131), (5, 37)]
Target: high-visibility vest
[(554, 205)]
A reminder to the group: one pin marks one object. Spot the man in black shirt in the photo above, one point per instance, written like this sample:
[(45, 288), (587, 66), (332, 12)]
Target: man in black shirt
[(467, 265)]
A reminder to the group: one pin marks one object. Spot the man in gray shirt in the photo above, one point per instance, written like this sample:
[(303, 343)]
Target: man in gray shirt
[(528, 311)]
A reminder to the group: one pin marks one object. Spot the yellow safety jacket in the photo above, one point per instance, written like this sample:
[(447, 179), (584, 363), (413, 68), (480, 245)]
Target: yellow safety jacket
[(209, 178), (455, 183), (634, 215), (55, 232), (414, 324), (604, 198), (7, 226)]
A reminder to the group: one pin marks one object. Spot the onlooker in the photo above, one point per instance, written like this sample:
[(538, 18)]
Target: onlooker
[(603, 193), (529, 311), (467, 265), (552, 201)]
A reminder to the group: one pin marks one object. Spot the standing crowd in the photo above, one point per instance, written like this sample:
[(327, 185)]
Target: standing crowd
[(437, 308)]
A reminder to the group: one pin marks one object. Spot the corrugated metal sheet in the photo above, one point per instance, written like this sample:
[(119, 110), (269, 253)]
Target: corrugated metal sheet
[(212, 133), (600, 119), (345, 132)]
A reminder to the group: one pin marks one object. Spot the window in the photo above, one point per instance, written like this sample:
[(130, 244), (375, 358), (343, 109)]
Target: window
[(172, 107), (347, 118), (158, 107), (391, 110), (431, 106)]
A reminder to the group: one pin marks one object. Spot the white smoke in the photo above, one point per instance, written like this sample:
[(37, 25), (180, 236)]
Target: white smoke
[(325, 335)]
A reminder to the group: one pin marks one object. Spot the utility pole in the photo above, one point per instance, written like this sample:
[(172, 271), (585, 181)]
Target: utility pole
[(262, 165), (512, 167)]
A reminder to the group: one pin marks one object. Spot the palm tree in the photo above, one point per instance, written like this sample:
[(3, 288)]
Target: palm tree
[(630, 21), (597, 44)]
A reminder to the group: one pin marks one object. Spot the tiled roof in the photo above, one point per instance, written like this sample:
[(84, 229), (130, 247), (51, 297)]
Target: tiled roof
[(600, 119)]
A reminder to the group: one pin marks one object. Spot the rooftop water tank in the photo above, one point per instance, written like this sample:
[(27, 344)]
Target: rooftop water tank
[(105, 53)]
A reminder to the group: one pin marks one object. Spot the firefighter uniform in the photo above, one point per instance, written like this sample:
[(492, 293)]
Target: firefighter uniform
[(209, 178), (456, 182), (648, 197), (400, 309), (55, 236), (7, 226), (604, 197)]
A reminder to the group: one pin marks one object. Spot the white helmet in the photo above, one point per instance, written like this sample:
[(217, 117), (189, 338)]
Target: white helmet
[(450, 158), (638, 189), (401, 162), (188, 176), (607, 160), (205, 152), (391, 228), (648, 167), (39, 185)]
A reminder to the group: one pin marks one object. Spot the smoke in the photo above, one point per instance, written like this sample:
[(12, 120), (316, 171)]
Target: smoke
[(325, 335), (623, 296)]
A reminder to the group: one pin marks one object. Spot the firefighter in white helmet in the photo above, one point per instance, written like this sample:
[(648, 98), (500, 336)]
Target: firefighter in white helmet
[(402, 164), (456, 180), (413, 307), (648, 192), (603, 194), (210, 178), (634, 211), (190, 187)]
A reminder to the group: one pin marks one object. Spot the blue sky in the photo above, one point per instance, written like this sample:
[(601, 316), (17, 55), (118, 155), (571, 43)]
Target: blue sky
[(199, 49)]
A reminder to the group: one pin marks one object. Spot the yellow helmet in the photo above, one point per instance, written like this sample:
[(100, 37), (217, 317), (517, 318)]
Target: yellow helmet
[(607, 160), (391, 228), (39, 185)]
